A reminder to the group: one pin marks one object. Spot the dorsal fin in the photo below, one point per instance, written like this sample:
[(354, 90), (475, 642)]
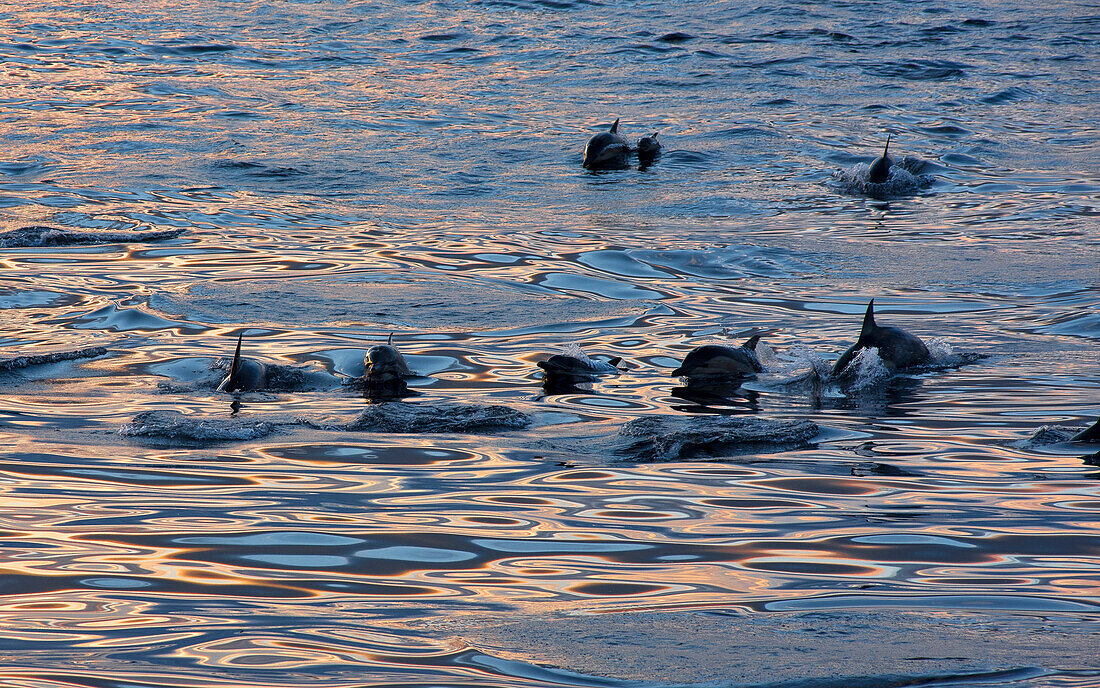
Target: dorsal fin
[(614, 127), (1091, 434), (614, 362), (390, 340), (236, 365), (887, 146), (751, 343), (655, 134), (868, 321)]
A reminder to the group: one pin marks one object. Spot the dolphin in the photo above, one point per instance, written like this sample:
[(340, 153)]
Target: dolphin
[(573, 366), (245, 374), (880, 168), (385, 370), (607, 150), (648, 149), (897, 348), (1091, 434), (717, 361)]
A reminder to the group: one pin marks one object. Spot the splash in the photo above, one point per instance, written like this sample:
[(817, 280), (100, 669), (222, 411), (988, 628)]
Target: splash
[(796, 366), (581, 363), (279, 378), (656, 438), (905, 178), (1051, 434), (865, 371), (39, 235)]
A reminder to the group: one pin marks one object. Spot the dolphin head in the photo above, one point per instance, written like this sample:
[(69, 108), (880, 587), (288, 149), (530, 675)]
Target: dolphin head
[(649, 146), (606, 150), (384, 364)]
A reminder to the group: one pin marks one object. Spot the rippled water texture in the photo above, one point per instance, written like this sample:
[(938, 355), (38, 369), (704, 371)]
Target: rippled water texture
[(321, 174)]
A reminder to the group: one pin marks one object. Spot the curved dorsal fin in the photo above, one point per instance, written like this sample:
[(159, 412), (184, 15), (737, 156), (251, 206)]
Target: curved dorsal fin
[(868, 321), (236, 365), (751, 343), (1091, 434), (615, 127), (614, 362), (887, 146), (390, 340)]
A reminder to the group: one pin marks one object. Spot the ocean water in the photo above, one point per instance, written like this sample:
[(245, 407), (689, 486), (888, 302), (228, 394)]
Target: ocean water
[(328, 173)]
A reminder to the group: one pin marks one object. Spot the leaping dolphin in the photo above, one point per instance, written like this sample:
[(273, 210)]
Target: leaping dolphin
[(714, 361), (897, 348)]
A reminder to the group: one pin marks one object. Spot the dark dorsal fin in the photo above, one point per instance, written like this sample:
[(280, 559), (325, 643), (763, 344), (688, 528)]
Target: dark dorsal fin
[(615, 127), (887, 146), (751, 343), (868, 321), (614, 362), (236, 365), (390, 340), (655, 134), (1091, 434)]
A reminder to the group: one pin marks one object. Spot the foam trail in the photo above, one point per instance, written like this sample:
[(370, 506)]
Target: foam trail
[(17, 362), (39, 235)]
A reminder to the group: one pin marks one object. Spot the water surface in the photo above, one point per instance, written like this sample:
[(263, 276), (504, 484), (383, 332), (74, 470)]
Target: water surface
[(347, 170)]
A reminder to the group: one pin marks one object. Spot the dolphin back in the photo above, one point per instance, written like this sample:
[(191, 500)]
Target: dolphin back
[(244, 373), (879, 171), (561, 364), (714, 360), (897, 348)]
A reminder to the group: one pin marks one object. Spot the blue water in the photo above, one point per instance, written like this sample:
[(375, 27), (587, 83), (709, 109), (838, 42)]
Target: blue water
[(346, 170)]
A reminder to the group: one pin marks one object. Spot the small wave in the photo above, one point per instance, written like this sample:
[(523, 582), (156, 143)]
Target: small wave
[(17, 362), (1008, 95), (920, 70), (195, 49), (905, 178), (657, 438), (39, 235), (398, 417), (675, 37), (173, 425)]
